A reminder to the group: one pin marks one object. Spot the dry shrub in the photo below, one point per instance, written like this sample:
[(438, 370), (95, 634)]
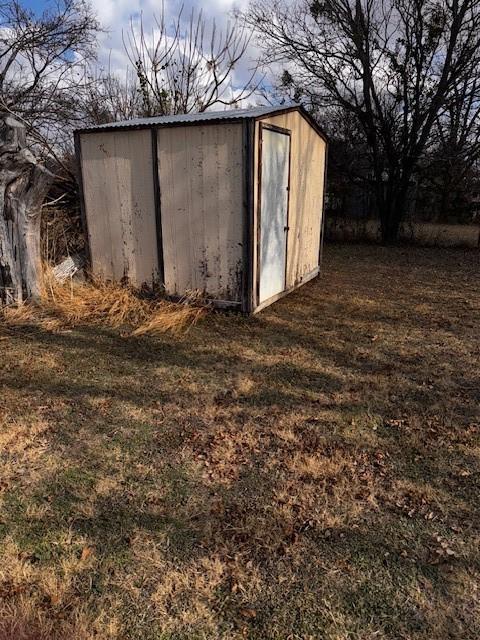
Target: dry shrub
[(61, 232), (107, 304)]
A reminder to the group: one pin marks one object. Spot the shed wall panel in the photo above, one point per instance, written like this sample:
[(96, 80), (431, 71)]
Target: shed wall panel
[(307, 170), (117, 172), (201, 190)]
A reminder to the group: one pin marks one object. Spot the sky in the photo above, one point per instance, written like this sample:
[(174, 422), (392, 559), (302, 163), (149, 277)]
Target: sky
[(115, 17)]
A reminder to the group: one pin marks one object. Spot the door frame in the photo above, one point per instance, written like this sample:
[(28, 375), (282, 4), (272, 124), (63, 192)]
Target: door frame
[(286, 132)]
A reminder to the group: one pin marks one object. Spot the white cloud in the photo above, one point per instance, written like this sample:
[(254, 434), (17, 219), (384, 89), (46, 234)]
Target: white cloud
[(115, 16)]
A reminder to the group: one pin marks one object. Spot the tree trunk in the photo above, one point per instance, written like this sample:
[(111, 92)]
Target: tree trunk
[(390, 226), (23, 186), (392, 203)]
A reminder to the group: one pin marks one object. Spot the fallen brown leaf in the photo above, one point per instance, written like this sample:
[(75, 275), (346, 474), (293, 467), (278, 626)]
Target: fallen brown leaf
[(86, 553)]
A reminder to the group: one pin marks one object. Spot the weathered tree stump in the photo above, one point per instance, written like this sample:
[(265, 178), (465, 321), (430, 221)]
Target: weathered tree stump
[(24, 184)]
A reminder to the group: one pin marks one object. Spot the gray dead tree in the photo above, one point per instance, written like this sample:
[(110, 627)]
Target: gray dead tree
[(24, 183)]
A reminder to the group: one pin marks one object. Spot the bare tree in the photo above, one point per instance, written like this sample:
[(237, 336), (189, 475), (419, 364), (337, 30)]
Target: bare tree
[(189, 65), (109, 98), (42, 65), (394, 64), (23, 186), (42, 74), (455, 149)]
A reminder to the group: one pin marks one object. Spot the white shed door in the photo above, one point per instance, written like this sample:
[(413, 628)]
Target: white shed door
[(273, 212)]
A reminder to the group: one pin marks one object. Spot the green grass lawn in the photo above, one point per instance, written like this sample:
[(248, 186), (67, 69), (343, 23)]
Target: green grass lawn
[(311, 472)]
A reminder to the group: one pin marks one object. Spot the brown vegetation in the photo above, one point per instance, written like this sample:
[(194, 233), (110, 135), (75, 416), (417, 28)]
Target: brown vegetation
[(101, 303), (312, 472)]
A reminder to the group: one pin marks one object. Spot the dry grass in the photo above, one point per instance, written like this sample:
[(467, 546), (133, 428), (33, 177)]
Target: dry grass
[(107, 304), (426, 234), (312, 472)]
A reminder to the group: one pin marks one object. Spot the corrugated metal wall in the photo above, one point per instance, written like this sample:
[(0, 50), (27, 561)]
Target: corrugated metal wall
[(118, 186), (202, 193)]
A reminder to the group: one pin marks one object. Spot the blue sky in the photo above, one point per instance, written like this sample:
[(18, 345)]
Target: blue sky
[(36, 5)]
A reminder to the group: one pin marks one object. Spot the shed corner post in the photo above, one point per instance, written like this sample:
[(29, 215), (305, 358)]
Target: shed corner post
[(157, 203), (81, 196), (248, 217), (322, 225)]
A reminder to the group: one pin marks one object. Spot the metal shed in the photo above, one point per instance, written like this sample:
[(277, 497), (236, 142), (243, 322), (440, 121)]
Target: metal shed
[(229, 203)]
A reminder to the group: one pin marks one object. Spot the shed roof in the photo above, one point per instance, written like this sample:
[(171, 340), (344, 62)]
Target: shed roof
[(205, 116)]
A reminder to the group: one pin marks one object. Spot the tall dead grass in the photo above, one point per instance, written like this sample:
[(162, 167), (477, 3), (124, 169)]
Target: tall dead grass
[(102, 303)]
